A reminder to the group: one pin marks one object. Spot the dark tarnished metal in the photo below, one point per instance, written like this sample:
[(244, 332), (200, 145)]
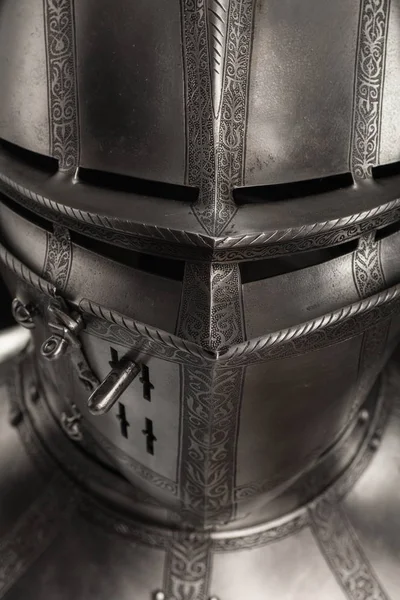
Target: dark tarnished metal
[(199, 223)]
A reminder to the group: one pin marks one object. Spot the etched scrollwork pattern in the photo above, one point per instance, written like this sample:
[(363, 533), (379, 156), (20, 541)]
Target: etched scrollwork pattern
[(209, 431), (335, 327), (258, 540), (63, 105), (374, 17), (232, 248), (215, 150), (211, 314), (343, 552), (58, 257), (200, 137), (233, 118), (187, 569), (338, 326), (217, 19), (369, 279), (367, 267), (332, 529)]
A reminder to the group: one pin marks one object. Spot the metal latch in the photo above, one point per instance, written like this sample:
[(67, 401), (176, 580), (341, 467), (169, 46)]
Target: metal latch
[(66, 329)]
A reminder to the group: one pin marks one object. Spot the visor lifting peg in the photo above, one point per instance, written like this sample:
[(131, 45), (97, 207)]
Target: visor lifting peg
[(113, 386)]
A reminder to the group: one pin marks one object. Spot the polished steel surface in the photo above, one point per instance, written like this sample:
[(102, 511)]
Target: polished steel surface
[(13, 340), (23, 75), (200, 228), (320, 542), (110, 390)]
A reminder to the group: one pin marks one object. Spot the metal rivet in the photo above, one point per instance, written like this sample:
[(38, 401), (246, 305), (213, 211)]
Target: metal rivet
[(363, 416), (159, 596), (213, 598)]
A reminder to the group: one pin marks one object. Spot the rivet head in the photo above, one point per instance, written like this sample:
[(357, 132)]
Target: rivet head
[(363, 416), (159, 596)]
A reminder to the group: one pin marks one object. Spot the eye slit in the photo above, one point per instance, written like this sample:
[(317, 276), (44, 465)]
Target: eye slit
[(40, 162), (27, 214), (273, 267), (169, 268), (386, 171), (385, 232), (135, 185), (292, 190)]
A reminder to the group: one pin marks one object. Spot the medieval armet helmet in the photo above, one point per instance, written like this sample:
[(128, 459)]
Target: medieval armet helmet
[(200, 224)]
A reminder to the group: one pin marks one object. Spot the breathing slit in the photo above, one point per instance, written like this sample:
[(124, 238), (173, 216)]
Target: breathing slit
[(123, 421), (114, 358), (150, 437), (145, 381)]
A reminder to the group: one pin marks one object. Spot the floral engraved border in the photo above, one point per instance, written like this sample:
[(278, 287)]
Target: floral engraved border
[(160, 240), (367, 268), (215, 143), (211, 315), (62, 87), (370, 70), (58, 257), (369, 279)]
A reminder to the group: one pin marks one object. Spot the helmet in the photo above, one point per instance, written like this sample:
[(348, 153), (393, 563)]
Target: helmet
[(200, 226)]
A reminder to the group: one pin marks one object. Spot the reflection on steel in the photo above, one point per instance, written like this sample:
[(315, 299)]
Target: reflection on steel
[(13, 341), (200, 225), (112, 387)]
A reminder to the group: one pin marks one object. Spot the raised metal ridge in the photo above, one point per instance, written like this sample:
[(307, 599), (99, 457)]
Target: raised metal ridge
[(335, 327), (193, 245)]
